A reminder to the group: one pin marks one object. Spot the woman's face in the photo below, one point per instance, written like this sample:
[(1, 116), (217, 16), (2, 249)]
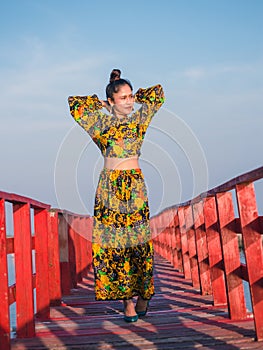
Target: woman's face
[(123, 101)]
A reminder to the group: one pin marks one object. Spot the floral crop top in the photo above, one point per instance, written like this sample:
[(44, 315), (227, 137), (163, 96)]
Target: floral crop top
[(117, 137)]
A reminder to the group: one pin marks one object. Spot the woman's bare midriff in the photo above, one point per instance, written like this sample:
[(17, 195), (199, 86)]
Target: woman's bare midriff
[(121, 163)]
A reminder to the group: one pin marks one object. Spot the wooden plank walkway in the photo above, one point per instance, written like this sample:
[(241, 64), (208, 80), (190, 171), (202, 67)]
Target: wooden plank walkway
[(178, 318)]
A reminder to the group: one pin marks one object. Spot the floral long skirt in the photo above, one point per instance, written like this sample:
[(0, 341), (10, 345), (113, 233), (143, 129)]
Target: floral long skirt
[(122, 247)]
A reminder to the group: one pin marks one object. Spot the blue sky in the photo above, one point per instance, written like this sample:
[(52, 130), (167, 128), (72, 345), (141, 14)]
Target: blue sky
[(208, 55)]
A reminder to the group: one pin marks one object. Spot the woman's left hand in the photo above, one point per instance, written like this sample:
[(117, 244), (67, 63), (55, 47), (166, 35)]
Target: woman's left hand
[(106, 105)]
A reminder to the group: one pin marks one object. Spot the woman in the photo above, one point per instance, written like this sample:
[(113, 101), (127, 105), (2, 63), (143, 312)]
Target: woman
[(122, 247)]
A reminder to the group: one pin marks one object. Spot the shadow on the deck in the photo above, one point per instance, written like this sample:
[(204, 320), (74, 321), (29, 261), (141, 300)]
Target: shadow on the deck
[(178, 318)]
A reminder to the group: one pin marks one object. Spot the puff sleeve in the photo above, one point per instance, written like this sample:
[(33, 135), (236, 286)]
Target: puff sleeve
[(151, 99), (86, 112)]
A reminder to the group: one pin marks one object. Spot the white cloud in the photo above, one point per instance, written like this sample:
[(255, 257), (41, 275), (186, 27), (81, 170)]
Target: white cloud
[(194, 73), (197, 73)]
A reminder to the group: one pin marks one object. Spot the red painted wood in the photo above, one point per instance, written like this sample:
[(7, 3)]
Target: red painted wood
[(65, 278), (174, 241), (12, 294), (84, 247), (161, 250), (178, 318), (190, 232), (4, 291), (9, 245), (53, 259), (72, 252), (215, 252), (161, 235), (252, 238), (170, 232), (16, 198), (88, 230), (178, 243), (253, 175), (244, 272), (42, 274), (164, 239), (166, 235), (77, 246), (34, 280), (23, 261), (201, 247), (64, 253), (83, 254), (235, 291), (184, 244)]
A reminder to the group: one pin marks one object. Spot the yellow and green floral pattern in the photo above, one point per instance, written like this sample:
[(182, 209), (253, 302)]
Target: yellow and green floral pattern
[(122, 246), (116, 137)]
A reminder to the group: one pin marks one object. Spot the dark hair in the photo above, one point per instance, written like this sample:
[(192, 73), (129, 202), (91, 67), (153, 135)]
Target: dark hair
[(115, 83), (115, 75)]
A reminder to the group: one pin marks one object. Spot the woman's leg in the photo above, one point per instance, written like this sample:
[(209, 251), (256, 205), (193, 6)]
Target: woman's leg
[(141, 304), (129, 309), (130, 314)]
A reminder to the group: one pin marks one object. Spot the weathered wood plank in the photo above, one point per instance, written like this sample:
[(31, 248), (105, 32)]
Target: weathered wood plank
[(178, 318)]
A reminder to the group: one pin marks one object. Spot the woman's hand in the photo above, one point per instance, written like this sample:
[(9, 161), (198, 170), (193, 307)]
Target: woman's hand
[(106, 105)]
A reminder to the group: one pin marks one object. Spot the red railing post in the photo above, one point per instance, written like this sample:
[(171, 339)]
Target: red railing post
[(160, 235), (84, 247), (42, 274), (190, 233), (184, 244), (54, 259), (72, 251), (64, 253), (45, 243), (77, 245), (201, 247), (171, 235), (174, 240), (252, 239), (234, 283), (178, 242), (215, 252), (166, 236), (4, 300), (23, 261)]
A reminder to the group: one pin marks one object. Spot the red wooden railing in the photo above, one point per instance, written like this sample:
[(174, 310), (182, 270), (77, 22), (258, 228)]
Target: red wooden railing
[(62, 244), (201, 238)]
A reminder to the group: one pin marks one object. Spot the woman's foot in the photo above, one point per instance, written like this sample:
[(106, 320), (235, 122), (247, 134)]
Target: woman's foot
[(141, 306), (130, 314)]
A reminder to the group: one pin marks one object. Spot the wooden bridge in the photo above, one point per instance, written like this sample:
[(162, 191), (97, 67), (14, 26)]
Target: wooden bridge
[(199, 277)]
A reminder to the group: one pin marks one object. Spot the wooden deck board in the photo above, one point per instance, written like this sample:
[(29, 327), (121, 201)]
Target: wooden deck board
[(178, 318)]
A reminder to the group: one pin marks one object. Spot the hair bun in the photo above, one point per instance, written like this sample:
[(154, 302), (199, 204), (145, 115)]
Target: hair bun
[(115, 75)]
